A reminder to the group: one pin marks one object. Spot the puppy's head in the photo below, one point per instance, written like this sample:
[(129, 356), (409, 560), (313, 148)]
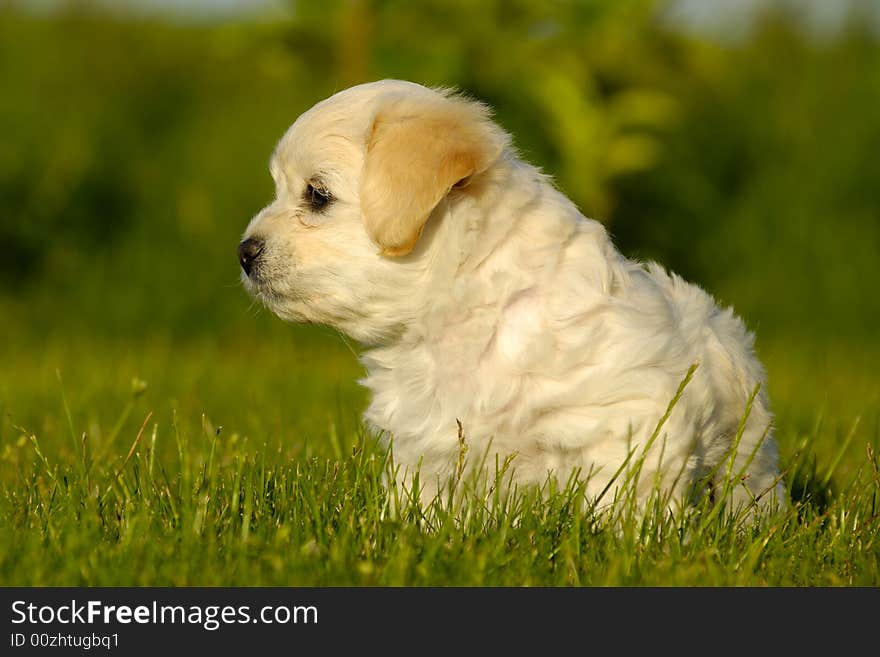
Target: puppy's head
[(357, 178)]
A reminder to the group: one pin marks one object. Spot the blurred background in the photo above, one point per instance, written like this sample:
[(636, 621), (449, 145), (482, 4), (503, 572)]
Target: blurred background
[(736, 142)]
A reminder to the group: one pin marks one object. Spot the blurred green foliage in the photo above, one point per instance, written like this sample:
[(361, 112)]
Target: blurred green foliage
[(134, 153)]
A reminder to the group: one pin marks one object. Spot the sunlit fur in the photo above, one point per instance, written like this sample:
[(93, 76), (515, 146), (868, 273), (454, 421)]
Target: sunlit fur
[(482, 295)]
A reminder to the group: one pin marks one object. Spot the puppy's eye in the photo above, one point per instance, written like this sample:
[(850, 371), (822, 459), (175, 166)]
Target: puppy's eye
[(317, 197)]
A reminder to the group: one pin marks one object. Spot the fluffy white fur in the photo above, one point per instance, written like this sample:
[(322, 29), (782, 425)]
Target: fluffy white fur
[(482, 295)]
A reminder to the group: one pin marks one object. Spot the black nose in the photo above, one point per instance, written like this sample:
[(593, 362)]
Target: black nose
[(248, 252)]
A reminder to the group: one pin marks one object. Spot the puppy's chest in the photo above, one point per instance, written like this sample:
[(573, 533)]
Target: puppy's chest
[(463, 370)]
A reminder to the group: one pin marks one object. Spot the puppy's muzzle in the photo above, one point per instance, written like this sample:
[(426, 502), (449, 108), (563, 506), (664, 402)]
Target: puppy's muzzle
[(248, 253)]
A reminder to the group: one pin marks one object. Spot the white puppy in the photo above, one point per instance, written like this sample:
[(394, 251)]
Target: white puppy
[(405, 219)]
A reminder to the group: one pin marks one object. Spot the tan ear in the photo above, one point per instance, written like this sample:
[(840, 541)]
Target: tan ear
[(419, 148)]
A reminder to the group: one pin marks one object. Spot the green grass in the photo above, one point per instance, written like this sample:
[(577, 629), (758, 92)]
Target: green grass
[(238, 461)]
